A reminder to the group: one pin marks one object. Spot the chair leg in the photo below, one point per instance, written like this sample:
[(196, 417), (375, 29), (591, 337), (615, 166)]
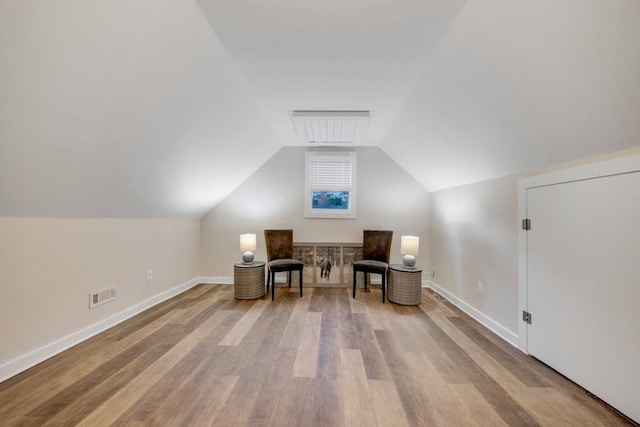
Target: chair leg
[(268, 279), (366, 276), (384, 285), (273, 285), (300, 283), (354, 283), (289, 273)]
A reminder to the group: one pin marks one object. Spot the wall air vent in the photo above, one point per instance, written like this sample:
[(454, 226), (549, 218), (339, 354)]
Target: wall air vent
[(330, 127), (101, 296)]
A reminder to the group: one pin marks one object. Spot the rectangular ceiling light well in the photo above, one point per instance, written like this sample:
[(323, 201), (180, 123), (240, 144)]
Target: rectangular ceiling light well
[(330, 127)]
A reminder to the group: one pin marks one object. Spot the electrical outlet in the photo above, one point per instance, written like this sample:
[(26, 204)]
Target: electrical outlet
[(149, 275), (480, 288)]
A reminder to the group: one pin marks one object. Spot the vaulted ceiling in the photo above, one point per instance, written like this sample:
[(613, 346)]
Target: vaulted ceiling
[(161, 108)]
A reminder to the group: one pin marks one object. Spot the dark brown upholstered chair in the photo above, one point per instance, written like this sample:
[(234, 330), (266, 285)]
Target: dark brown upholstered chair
[(280, 257), (376, 247)]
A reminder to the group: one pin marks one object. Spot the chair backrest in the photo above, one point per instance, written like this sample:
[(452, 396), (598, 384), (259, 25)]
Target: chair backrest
[(376, 245), (279, 244)]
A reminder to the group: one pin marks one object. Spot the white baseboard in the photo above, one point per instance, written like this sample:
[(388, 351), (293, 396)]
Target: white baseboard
[(22, 363), (222, 280), (485, 320), (28, 360)]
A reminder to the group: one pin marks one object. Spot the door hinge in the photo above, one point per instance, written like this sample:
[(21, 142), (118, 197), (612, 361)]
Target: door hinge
[(526, 317), (526, 224)]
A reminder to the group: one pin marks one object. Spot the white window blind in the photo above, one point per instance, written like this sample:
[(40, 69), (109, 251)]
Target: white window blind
[(330, 184), (331, 174)]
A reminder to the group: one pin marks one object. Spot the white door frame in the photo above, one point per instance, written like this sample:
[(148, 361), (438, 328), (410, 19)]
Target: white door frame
[(616, 166)]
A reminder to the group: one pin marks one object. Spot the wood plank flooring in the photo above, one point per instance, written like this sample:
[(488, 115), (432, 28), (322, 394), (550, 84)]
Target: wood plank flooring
[(206, 359)]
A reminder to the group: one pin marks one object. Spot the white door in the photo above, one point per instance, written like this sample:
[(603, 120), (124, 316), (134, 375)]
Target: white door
[(583, 284)]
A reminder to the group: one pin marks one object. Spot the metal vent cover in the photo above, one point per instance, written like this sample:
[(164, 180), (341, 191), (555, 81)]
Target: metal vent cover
[(101, 296), (330, 127)]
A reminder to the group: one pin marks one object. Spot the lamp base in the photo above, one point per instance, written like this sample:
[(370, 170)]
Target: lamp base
[(247, 257), (409, 261)]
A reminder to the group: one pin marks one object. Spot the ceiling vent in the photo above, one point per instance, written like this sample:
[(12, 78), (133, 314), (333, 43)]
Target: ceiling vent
[(330, 127)]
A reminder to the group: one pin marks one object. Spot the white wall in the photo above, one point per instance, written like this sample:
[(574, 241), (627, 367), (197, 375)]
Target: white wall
[(49, 266), (474, 237), (387, 198)]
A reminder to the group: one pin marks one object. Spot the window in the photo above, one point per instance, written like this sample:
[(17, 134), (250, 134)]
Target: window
[(330, 188)]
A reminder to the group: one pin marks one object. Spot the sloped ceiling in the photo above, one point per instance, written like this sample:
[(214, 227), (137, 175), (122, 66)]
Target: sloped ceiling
[(161, 108), (517, 85), (121, 109)]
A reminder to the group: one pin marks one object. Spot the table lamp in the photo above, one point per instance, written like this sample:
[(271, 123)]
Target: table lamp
[(409, 246), (247, 246)]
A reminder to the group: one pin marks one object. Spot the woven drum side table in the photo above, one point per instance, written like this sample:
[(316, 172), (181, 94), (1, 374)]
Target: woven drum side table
[(248, 280), (405, 285)]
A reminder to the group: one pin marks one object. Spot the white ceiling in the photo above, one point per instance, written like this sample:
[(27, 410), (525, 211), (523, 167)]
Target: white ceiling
[(161, 108)]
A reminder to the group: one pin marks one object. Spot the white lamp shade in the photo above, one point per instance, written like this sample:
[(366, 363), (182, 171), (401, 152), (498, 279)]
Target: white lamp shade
[(247, 242), (409, 245)]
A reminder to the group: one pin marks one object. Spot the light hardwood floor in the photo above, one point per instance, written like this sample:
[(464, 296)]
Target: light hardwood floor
[(204, 358)]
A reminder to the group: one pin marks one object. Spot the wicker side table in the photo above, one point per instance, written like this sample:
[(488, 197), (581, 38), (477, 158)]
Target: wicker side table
[(248, 280), (405, 285)]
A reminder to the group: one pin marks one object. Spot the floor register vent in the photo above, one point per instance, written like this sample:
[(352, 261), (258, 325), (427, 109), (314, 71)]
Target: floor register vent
[(101, 296)]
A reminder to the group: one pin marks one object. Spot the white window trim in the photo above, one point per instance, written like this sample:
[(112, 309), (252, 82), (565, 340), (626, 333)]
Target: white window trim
[(309, 211)]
